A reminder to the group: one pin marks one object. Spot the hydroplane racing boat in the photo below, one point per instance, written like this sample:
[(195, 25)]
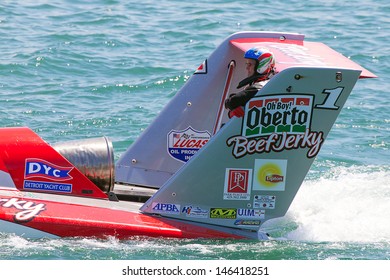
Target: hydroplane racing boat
[(194, 172)]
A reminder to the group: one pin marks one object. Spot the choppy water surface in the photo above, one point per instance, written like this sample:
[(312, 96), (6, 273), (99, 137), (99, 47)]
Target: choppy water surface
[(78, 69)]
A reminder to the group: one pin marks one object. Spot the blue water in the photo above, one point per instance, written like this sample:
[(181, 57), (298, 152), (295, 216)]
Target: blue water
[(80, 69)]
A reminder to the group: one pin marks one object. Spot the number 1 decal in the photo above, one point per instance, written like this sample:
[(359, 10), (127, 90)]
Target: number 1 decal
[(331, 98)]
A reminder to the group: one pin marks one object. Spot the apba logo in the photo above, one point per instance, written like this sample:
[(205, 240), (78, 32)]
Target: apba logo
[(43, 169), (166, 208)]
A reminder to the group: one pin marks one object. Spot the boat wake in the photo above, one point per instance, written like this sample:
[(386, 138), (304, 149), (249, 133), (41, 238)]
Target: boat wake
[(351, 204), (348, 205)]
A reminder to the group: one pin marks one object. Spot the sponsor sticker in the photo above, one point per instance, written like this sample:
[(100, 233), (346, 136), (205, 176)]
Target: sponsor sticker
[(26, 210), (47, 186), (223, 213), (264, 201), (44, 169), (269, 175), (195, 212), (202, 69), (247, 223), (166, 208), (183, 144), (276, 114), (251, 213), (237, 184), (277, 123)]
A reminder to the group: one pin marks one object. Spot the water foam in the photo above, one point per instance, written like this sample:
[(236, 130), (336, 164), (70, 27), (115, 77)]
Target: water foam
[(353, 205)]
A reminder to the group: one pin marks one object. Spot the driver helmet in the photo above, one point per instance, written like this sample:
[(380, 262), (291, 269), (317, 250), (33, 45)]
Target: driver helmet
[(265, 60)]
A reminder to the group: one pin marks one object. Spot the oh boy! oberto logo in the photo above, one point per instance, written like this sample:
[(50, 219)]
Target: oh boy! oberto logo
[(277, 123), (276, 114)]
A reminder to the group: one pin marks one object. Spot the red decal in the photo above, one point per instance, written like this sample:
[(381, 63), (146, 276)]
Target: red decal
[(238, 181)]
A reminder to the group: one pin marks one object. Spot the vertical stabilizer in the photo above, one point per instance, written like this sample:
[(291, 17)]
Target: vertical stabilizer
[(252, 168), (192, 117)]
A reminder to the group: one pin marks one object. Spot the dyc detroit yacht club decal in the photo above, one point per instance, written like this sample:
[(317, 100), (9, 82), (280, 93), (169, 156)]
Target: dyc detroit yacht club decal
[(277, 123), (183, 144), (46, 172)]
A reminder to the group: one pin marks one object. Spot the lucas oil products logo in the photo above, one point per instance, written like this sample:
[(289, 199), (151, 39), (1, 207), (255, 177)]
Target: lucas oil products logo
[(276, 123), (44, 169), (183, 144)]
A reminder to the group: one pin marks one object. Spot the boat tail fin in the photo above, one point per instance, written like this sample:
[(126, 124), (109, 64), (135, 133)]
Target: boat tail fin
[(30, 164), (190, 119), (251, 170)]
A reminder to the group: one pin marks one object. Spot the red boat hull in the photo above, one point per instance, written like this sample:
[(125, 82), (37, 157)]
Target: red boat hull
[(77, 220)]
